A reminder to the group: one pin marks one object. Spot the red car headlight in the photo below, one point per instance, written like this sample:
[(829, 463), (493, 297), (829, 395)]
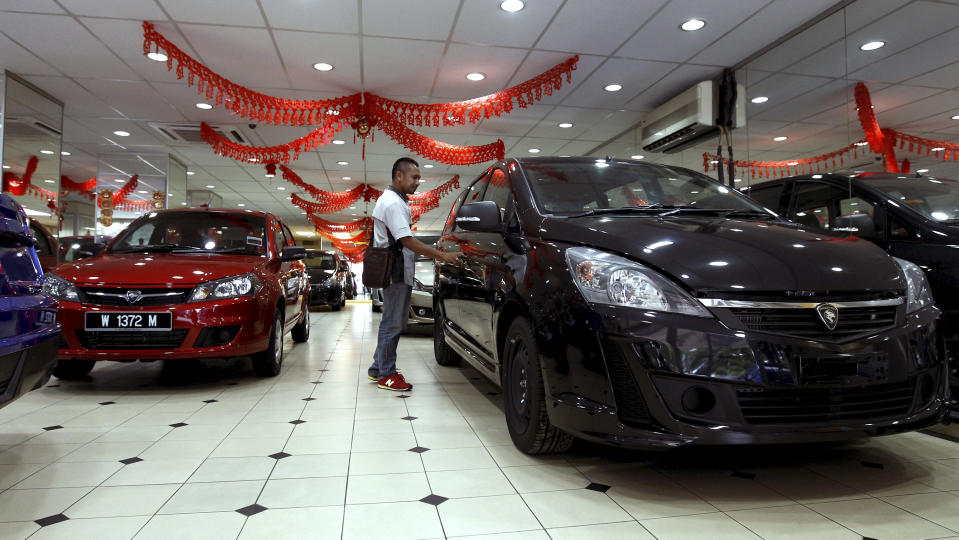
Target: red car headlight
[(228, 287)]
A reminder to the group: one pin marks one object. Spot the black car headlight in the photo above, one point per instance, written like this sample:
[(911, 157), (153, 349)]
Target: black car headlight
[(919, 295), (58, 288), (604, 278), (228, 287)]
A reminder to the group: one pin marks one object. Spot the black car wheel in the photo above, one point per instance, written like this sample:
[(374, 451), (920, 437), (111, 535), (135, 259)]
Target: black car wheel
[(377, 309), (526, 417), (301, 332), (268, 362), (445, 355), (73, 369)]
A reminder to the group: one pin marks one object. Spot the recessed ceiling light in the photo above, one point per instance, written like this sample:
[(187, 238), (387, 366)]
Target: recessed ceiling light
[(253, 160), (204, 106), (6, 166), (322, 66), (157, 56), (122, 133), (48, 181), (210, 186), (759, 99), (613, 87), (339, 141), (190, 173), (142, 191), (937, 149), (64, 153), (692, 25), (793, 163), (780, 138), (637, 156), (240, 204), (737, 180), (347, 178), (182, 204), (49, 152), (512, 6), (428, 166), (476, 76), (956, 117), (280, 188), (861, 143), (565, 125), (872, 45), (343, 163), (920, 171), (119, 180), (534, 150)]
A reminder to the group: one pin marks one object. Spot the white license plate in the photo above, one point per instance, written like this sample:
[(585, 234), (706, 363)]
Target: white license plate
[(113, 321)]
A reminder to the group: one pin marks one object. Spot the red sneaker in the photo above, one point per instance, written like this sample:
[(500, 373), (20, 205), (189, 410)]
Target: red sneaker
[(394, 382)]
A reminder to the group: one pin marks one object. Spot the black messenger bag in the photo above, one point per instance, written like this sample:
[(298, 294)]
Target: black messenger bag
[(381, 264)]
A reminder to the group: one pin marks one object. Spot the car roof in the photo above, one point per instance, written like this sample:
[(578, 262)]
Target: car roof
[(255, 213), (862, 178)]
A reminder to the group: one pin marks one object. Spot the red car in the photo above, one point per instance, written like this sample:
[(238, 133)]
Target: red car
[(181, 284)]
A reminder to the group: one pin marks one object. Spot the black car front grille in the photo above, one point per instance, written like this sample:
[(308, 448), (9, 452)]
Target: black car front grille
[(116, 296), (817, 405), (805, 323), (630, 405), (131, 340)]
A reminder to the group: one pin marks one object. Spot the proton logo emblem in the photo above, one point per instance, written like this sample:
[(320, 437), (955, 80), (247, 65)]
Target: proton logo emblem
[(133, 296), (829, 315)]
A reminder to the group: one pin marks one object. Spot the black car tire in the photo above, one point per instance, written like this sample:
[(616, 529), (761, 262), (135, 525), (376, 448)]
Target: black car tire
[(445, 355), (377, 309), (301, 332), (69, 370), (336, 307), (526, 417), (267, 363)]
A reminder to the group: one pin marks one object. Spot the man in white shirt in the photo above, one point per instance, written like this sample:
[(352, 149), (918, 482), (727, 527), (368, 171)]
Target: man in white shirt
[(392, 217)]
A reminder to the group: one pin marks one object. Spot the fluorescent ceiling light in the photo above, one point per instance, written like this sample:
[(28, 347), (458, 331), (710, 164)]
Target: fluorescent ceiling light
[(793, 163), (344, 163), (48, 152), (157, 56), (759, 99), (64, 153), (339, 141), (428, 166), (347, 178), (49, 181), (210, 186), (6, 166), (280, 188), (204, 106), (692, 25), (613, 87), (937, 149), (956, 117), (511, 6), (534, 150), (119, 180), (871, 45), (323, 66), (190, 173), (637, 156), (920, 171), (240, 204), (780, 138), (122, 133), (142, 191), (476, 76), (565, 125)]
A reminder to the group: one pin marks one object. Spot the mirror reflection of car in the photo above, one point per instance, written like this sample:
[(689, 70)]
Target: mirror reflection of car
[(179, 284), (912, 217), (642, 305), (46, 245), (328, 279), (74, 248), (421, 299), (29, 334)]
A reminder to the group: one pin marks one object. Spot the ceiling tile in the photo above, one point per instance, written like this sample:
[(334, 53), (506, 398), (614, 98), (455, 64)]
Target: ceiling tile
[(818, 36), (140, 11), (19, 60), (313, 16), (617, 18), (243, 55), (238, 12), (125, 40), (945, 77), (77, 100), (497, 63), (921, 58), (679, 80), (31, 6), (382, 55), (423, 19), (486, 23), (300, 50), (633, 75), (859, 14), (933, 18), (540, 61), (134, 99)]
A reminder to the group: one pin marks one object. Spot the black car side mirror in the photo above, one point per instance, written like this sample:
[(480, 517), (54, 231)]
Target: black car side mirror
[(293, 253), (860, 225), (480, 216)]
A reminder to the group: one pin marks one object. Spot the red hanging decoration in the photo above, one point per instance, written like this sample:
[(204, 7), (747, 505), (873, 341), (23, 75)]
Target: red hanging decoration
[(17, 185), (273, 154)]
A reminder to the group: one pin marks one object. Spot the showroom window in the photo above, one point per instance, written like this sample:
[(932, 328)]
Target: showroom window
[(820, 205)]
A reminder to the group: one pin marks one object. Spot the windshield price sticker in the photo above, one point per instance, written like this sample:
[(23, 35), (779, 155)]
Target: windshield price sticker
[(129, 321)]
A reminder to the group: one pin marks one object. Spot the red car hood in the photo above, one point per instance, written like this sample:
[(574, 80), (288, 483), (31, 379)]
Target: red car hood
[(157, 269)]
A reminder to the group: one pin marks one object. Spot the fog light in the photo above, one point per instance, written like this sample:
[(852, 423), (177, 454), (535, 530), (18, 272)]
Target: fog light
[(698, 400), (421, 312)]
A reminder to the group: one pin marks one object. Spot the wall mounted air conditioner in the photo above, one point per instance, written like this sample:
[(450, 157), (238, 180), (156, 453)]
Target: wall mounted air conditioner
[(688, 119)]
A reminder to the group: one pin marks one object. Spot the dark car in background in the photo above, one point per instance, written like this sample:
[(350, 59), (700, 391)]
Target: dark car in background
[(912, 217), (28, 320), (642, 305), (330, 279)]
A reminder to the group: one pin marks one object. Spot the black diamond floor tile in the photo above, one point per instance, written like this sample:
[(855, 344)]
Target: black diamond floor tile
[(178, 424), (297, 421), (602, 488), (419, 449), (51, 428), (409, 418), (131, 460), (210, 401), (108, 403), (251, 510), (309, 399), (51, 520), (435, 500), (279, 455), (404, 396), (317, 382)]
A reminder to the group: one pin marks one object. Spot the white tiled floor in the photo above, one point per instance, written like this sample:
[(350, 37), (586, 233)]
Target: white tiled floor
[(237, 467)]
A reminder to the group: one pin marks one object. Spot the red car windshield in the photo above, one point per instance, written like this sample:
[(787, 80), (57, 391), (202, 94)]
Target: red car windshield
[(211, 232)]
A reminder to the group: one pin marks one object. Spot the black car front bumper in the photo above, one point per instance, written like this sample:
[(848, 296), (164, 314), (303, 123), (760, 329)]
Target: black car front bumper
[(614, 386), (326, 295)]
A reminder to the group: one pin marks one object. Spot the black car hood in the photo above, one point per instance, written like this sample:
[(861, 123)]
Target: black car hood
[(738, 256), (318, 275)]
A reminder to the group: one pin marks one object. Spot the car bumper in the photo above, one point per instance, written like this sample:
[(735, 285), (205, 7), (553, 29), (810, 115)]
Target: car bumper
[(234, 327), (27, 368), (421, 307), (784, 390), (325, 296)]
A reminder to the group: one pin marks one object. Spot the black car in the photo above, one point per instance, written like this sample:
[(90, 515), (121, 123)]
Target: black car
[(645, 306), (328, 279), (912, 217)]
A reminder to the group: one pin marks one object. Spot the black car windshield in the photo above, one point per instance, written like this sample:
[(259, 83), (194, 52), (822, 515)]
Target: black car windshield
[(934, 198), (323, 261), (210, 232), (578, 187)]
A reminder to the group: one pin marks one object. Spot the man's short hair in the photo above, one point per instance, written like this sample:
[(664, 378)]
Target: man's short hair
[(401, 163)]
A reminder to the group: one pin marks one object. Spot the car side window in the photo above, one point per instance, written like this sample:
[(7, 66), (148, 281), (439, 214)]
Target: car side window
[(768, 196), (471, 194), (279, 239), (898, 230), (290, 239), (498, 191), (828, 207)]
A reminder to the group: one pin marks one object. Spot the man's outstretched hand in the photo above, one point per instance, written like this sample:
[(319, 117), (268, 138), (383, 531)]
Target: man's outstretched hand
[(450, 257)]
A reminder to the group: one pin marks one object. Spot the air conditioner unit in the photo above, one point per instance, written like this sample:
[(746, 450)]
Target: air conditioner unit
[(28, 127), (688, 119), (190, 133)]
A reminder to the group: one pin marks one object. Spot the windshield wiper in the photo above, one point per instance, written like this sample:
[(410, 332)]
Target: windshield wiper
[(238, 250), (747, 213), (157, 247), (624, 210)]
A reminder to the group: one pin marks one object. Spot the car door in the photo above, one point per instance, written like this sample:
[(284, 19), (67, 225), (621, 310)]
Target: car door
[(286, 274), (829, 207), (453, 281)]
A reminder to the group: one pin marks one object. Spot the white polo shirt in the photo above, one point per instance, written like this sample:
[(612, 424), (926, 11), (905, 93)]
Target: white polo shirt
[(393, 212)]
